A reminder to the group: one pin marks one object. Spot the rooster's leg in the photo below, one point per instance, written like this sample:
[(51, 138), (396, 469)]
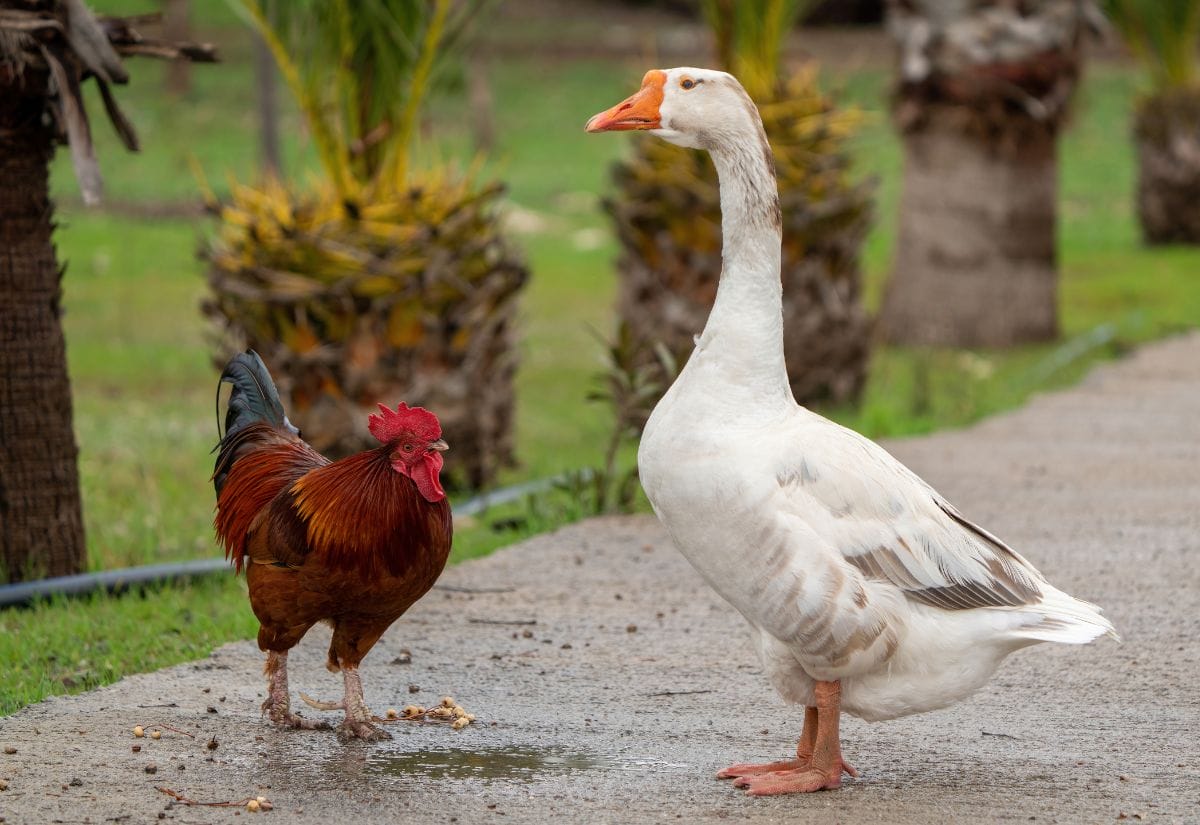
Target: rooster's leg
[(357, 724), (824, 768), (804, 752), (278, 703)]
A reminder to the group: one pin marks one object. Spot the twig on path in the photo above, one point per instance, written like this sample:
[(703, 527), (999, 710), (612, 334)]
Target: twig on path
[(173, 730), (678, 692), (167, 705), (263, 803), (997, 735), (503, 621), (456, 588)]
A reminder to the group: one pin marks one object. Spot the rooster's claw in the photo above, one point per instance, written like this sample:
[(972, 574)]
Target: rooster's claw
[(362, 730)]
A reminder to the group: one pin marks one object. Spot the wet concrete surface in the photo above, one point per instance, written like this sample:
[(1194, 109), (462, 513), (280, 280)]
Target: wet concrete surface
[(633, 684)]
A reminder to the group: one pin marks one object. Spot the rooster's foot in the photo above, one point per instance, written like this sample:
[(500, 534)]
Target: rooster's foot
[(295, 720), (281, 715), (361, 729)]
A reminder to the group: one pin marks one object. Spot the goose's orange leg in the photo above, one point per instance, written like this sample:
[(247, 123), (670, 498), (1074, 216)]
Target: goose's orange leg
[(823, 767)]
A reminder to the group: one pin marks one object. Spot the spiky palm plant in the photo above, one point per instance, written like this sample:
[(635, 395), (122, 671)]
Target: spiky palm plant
[(381, 283), (667, 214), (1165, 35)]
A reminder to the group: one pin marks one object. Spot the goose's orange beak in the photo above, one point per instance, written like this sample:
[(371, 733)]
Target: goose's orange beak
[(637, 112)]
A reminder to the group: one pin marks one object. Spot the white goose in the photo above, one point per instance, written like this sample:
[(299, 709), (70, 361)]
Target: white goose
[(866, 591)]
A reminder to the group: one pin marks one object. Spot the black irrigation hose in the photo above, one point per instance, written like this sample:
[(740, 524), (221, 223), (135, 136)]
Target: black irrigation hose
[(112, 581), (118, 581)]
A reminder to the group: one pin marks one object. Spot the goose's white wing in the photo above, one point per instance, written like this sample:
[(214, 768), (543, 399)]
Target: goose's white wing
[(893, 527)]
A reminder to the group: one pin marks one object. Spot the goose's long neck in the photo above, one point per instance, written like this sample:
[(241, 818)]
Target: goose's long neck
[(745, 327)]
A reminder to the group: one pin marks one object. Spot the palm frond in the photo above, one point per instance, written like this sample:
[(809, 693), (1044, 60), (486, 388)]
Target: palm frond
[(361, 71), (1164, 34), (749, 37)]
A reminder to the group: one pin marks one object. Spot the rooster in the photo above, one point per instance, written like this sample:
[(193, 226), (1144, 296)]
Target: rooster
[(353, 543)]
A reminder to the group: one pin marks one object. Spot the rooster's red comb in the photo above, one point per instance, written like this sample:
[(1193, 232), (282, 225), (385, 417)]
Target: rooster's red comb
[(418, 422)]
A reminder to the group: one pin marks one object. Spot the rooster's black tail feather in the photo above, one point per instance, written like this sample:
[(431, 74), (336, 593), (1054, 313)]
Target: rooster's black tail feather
[(254, 400)]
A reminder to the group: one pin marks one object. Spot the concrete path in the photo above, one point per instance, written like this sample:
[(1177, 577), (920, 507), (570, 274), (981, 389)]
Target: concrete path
[(610, 683)]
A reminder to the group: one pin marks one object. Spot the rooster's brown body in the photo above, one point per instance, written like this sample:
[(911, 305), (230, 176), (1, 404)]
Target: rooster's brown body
[(353, 543)]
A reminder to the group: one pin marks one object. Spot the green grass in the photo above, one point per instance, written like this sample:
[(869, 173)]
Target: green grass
[(67, 646), (140, 351)]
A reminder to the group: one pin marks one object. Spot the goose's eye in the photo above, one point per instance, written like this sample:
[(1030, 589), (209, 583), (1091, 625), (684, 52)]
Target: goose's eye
[(687, 83)]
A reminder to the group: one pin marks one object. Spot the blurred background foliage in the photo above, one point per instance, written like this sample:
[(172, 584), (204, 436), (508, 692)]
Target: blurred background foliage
[(1165, 36), (381, 280), (140, 350)]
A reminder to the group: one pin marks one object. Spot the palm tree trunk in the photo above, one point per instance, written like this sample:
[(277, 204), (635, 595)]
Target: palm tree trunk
[(177, 28), (41, 524), (975, 253), (1167, 132), (983, 91)]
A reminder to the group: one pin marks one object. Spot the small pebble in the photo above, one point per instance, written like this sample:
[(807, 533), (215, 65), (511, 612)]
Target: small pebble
[(156, 734), (631, 628), (136, 748), (151, 768), (414, 688), (10, 750), (139, 731), (213, 744)]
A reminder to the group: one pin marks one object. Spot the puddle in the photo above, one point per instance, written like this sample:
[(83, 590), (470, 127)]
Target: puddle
[(514, 763)]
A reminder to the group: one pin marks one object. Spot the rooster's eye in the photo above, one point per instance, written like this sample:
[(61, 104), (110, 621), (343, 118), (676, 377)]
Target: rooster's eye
[(687, 83), (408, 448)]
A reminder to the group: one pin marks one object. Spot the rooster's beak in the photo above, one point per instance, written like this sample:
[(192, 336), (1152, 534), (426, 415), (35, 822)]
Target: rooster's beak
[(440, 445), (641, 111)]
